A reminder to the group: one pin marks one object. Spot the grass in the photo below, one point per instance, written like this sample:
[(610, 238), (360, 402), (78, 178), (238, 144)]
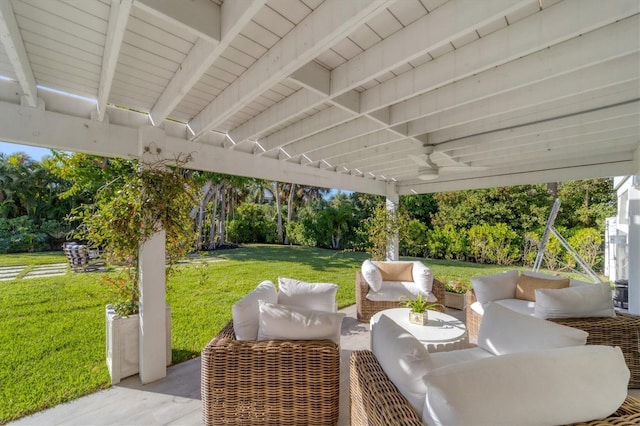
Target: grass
[(52, 332)]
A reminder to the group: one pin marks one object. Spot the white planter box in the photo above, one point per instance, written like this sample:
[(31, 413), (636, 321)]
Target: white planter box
[(123, 344), (454, 300)]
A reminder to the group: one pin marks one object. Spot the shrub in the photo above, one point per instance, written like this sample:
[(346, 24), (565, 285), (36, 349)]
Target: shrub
[(588, 243), (251, 225), (415, 241), (20, 234), (494, 244)]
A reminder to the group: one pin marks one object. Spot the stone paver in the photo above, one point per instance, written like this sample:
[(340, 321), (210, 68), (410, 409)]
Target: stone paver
[(8, 273), (52, 270)]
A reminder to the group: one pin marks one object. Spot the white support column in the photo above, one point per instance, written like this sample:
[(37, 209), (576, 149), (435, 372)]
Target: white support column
[(153, 334), (393, 199), (634, 252)]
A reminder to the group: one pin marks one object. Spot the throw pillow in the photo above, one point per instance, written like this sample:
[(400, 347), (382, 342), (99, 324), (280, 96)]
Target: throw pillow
[(551, 387), (245, 313), (371, 275), (526, 286), (582, 301), (503, 331), (495, 286), (403, 358), (396, 271), (316, 296), (282, 322)]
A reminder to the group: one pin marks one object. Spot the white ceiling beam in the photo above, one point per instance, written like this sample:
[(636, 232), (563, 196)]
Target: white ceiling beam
[(536, 32), (477, 151), (611, 42), (199, 17), (356, 146), (322, 28), (585, 102), (118, 17), (598, 117), (37, 127), (235, 16), (434, 30), (352, 129), (565, 86), (323, 120), (14, 47), (558, 171), (277, 114)]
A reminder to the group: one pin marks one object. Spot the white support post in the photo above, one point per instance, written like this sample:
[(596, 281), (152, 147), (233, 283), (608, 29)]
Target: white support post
[(393, 199), (153, 333), (634, 254)]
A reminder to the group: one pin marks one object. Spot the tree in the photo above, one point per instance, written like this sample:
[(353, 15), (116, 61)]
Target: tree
[(586, 203), (381, 226)]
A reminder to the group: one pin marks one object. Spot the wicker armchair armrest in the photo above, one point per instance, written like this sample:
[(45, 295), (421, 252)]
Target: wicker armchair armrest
[(269, 382), (375, 401)]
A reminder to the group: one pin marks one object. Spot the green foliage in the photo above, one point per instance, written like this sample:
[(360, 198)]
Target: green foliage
[(415, 242), (381, 227), (299, 233), (420, 207), (586, 203), (418, 305), (157, 196), (251, 225), (20, 234), (448, 242), (496, 244), (588, 243)]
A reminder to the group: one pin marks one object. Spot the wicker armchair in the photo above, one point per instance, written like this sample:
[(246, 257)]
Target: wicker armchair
[(623, 330), (273, 382), (367, 308), (375, 401)]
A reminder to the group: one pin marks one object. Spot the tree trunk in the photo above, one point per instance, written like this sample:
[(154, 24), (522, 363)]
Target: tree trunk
[(223, 214), (292, 192), (214, 217)]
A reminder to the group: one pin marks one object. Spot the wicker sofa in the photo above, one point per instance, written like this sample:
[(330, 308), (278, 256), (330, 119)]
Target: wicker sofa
[(366, 308), (375, 400), (623, 330), (284, 382)]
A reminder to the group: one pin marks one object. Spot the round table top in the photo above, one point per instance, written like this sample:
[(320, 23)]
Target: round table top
[(441, 328)]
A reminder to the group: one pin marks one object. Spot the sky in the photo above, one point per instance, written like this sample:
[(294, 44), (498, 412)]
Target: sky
[(32, 151)]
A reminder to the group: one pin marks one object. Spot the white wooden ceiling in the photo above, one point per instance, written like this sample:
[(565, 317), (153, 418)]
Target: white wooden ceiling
[(337, 93)]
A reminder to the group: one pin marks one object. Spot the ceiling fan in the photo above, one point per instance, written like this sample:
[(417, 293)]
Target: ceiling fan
[(432, 163)]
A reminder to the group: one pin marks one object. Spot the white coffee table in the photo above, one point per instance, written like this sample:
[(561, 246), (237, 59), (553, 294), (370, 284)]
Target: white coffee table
[(442, 333)]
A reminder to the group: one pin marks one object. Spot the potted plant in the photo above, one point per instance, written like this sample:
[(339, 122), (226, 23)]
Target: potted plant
[(455, 290), (419, 308), (127, 212)]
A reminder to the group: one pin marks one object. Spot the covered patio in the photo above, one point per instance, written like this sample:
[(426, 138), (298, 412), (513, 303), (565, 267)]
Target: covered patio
[(388, 97)]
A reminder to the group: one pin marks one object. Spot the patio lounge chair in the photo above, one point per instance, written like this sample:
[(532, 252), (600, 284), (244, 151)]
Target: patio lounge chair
[(271, 382), (81, 257)]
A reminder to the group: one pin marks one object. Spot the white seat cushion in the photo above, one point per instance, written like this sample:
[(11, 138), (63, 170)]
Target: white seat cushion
[(282, 322), (504, 331), (245, 313), (371, 275), (555, 386), (316, 296), (582, 301), (524, 307), (392, 291)]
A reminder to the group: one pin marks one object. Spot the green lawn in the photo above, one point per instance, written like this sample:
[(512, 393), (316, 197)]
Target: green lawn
[(52, 331)]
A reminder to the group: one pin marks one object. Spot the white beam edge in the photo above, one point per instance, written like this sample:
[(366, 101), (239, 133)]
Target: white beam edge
[(199, 17), (118, 17), (322, 28), (14, 48)]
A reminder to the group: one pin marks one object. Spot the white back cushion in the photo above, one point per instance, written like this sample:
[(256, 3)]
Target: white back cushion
[(316, 296), (503, 331), (391, 291), (245, 312), (403, 358), (282, 322), (489, 288), (582, 301), (371, 275), (555, 386), (422, 277)]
